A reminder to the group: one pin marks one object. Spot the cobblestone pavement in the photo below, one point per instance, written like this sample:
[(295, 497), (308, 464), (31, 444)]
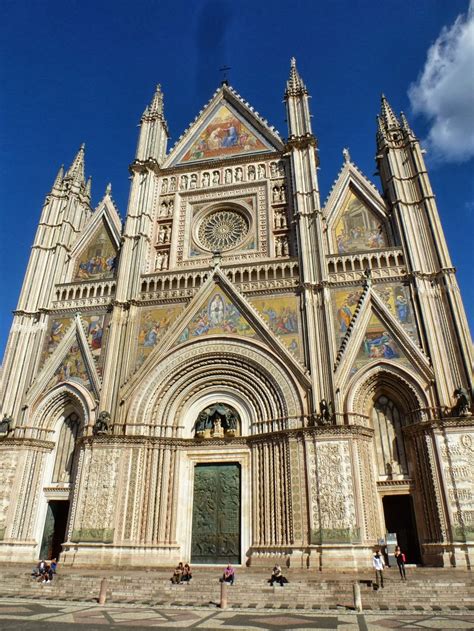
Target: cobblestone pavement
[(28, 615)]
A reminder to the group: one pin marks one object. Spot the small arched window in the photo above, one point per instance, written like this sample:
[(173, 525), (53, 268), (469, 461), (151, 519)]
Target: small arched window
[(65, 451), (389, 441)]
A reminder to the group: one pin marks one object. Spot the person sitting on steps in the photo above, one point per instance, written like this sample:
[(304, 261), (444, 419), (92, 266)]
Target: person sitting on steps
[(177, 574), (277, 577), (187, 576), (228, 576)]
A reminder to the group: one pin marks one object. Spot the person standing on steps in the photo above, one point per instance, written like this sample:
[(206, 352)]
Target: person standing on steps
[(377, 562), (401, 560)]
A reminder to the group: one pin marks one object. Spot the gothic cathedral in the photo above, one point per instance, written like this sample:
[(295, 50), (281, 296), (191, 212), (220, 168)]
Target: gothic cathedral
[(239, 373)]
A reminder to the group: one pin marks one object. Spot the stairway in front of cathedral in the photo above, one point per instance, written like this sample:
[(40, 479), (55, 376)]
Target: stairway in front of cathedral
[(425, 590)]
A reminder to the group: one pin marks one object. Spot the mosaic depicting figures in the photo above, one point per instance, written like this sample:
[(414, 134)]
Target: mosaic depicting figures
[(72, 368), (218, 316), (358, 229), (378, 343), (394, 296), (97, 261), (225, 134), (94, 332), (398, 301), (56, 331), (153, 325), (281, 315), (344, 305)]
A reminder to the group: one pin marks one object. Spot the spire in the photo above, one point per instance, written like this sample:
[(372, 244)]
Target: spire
[(76, 170), (156, 106), (89, 186), (295, 85), (405, 125), (387, 115), (59, 177)]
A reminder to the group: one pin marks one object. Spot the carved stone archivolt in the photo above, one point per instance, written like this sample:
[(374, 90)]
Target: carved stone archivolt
[(164, 387)]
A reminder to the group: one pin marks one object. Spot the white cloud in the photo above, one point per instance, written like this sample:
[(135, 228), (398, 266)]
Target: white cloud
[(444, 91)]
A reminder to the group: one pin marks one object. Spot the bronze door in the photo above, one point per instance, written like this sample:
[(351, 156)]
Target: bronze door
[(216, 514)]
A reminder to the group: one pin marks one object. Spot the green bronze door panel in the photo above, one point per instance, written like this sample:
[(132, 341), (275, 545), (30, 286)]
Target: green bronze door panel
[(216, 514)]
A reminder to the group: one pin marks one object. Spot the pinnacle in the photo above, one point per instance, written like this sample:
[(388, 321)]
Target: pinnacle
[(156, 106), (76, 170), (295, 85), (387, 115), (59, 177)]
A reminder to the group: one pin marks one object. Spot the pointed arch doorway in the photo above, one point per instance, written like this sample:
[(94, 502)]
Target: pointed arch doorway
[(58, 485)]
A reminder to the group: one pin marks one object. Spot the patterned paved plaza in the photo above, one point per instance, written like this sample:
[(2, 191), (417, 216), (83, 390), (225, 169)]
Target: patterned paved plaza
[(31, 614)]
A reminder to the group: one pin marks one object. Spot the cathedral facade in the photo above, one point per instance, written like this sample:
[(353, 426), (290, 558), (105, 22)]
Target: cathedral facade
[(240, 372)]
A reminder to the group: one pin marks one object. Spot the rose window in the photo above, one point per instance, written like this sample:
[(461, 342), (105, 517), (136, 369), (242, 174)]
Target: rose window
[(223, 230)]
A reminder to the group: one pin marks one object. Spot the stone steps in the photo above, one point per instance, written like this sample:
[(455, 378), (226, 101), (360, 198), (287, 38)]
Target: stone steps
[(429, 590)]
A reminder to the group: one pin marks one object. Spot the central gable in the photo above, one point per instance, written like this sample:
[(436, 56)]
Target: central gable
[(226, 128)]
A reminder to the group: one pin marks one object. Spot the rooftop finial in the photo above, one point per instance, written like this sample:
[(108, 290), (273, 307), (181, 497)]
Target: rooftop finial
[(293, 62), (108, 189), (347, 155)]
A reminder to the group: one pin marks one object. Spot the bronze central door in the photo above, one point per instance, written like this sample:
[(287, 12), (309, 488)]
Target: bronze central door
[(216, 514)]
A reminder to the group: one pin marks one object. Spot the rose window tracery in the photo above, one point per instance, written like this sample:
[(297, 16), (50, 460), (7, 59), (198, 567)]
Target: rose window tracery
[(223, 230)]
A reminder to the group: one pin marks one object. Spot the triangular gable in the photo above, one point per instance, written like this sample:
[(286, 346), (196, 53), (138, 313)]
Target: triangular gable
[(227, 127), (375, 334), (218, 309), (72, 361), (217, 316), (94, 255), (356, 214)]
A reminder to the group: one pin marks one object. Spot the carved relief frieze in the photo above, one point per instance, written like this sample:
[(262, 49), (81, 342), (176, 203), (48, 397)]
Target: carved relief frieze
[(457, 463), (95, 521), (331, 493), (8, 464)]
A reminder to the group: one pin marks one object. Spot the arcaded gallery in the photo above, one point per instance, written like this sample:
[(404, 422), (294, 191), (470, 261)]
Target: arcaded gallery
[(241, 372)]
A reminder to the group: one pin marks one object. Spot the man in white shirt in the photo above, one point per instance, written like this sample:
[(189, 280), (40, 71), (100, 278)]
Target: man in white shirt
[(377, 562)]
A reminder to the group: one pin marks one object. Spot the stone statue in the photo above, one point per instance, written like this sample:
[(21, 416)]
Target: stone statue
[(463, 402), (193, 181), (216, 177), (164, 263), (251, 173), (238, 174), (228, 176), (278, 247), (159, 261), (164, 186), (162, 234), (201, 423), (101, 426), (230, 420), (218, 430), (261, 171), (276, 194), (325, 412), (5, 425), (164, 209), (173, 184), (205, 179)]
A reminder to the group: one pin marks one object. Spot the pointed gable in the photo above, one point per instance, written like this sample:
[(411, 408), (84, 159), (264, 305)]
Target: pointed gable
[(356, 214), (227, 127), (218, 316), (97, 260), (94, 255), (357, 227)]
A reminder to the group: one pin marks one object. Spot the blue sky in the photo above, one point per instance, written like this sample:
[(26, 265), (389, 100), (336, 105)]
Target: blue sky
[(83, 71)]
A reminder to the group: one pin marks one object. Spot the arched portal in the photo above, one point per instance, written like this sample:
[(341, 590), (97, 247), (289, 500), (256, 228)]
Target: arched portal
[(63, 413), (206, 485), (391, 398)]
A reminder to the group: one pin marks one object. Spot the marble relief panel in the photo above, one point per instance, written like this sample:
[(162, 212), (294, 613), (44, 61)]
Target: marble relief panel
[(457, 461), (9, 461), (332, 493)]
